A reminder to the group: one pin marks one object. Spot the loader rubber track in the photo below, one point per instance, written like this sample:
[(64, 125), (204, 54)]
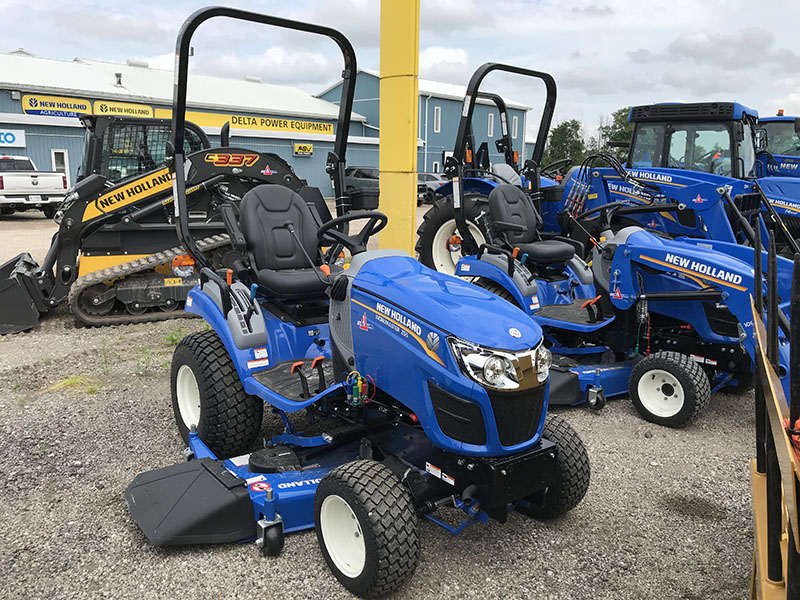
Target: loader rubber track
[(124, 270)]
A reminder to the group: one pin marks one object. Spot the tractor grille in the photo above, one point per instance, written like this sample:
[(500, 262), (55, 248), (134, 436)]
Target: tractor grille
[(517, 414), (458, 418), (721, 320), (748, 204), (712, 111), (792, 224)]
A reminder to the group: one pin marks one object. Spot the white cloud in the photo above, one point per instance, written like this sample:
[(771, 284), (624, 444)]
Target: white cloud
[(441, 63)]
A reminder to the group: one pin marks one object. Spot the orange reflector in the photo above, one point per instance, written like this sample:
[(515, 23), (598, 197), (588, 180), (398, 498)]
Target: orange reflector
[(454, 240), (229, 276), (780, 112), (559, 178), (182, 260), (325, 269), (516, 156), (469, 157)]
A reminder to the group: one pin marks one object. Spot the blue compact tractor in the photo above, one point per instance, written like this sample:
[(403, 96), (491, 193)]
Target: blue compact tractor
[(667, 319), (419, 390)]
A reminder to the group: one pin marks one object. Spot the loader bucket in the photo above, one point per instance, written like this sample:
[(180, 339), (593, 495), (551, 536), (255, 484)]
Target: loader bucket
[(20, 297)]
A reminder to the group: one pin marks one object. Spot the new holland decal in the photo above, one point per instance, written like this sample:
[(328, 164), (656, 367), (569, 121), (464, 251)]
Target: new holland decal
[(400, 323), (699, 269), (128, 194)]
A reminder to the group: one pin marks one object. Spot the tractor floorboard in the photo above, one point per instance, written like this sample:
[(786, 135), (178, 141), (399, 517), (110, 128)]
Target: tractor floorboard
[(281, 380), (571, 313)]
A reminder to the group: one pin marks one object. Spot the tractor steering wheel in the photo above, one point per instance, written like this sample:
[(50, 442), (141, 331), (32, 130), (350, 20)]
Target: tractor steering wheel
[(356, 244), (559, 167)]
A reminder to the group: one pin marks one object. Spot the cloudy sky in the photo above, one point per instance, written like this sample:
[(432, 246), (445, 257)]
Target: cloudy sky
[(604, 54)]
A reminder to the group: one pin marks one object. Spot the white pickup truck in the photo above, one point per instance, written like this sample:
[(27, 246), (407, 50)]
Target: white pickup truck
[(23, 187)]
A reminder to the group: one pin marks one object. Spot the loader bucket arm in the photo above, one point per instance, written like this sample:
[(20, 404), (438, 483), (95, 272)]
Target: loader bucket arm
[(336, 159)]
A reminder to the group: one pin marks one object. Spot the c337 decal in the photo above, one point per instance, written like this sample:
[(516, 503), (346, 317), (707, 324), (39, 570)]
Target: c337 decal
[(222, 159)]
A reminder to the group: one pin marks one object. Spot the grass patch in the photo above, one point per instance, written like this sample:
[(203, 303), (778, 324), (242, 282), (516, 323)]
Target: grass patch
[(174, 337), (74, 382), (146, 363), (71, 381)]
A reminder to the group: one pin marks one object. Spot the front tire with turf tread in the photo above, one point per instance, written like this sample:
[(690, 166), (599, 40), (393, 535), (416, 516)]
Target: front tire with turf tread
[(574, 470), (386, 517), (694, 381), (230, 419)]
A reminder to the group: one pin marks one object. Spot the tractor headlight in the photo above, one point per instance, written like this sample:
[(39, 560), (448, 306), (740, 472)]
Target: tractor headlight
[(491, 368), (544, 359)]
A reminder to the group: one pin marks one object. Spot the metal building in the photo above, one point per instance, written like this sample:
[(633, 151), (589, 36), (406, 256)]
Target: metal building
[(41, 98), (439, 113)]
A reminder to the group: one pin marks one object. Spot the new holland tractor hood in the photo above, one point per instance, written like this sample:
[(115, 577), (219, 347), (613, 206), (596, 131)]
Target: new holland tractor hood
[(449, 304)]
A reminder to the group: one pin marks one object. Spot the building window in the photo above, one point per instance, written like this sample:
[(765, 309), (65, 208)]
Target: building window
[(514, 126), (435, 166), (437, 119), (490, 129), (60, 162)]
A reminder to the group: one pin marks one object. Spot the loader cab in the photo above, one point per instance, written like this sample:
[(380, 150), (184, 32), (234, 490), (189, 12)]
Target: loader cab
[(122, 147), (709, 137)]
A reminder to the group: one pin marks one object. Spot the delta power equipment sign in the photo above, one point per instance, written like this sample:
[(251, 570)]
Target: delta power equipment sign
[(62, 106)]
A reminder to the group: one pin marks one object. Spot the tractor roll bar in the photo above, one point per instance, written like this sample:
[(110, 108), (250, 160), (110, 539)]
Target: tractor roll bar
[(336, 159), (455, 164)]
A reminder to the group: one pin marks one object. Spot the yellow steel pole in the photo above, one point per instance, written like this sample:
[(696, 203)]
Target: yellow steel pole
[(398, 122)]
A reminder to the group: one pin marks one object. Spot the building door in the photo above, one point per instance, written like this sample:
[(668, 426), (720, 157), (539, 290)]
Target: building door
[(60, 162)]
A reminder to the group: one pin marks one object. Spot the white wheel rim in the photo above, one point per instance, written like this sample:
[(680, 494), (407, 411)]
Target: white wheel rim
[(188, 396), (342, 535), (445, 261), (661, 393)]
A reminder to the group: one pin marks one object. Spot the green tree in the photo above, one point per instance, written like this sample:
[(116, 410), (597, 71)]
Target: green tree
[(565, 141), (618, 129)]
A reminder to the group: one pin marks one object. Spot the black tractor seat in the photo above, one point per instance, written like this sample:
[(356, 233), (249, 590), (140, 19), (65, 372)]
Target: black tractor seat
[(547, 252), (277, 263), (516, 221)]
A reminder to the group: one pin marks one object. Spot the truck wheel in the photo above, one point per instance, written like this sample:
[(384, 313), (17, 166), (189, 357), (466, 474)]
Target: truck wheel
[(574, 473), (49, 211), (438, 226), (669, 388), (207, 392), (366, 527)]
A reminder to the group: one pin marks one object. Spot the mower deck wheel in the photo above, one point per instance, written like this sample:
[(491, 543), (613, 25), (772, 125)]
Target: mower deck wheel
[(207, 392), (669, 388), (574, 473), (366, 527)]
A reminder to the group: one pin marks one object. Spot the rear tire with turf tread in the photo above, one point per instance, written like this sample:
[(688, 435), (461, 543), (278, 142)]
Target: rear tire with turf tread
[(229, 418), (437, 216), (386, 519), (694, 388), (574, 469)]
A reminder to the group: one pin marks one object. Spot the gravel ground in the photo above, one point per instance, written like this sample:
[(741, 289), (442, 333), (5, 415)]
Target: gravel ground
[(82, 411)]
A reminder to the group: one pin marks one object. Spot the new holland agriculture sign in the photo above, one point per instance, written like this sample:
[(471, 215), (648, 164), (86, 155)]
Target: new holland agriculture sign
[(62, 106)]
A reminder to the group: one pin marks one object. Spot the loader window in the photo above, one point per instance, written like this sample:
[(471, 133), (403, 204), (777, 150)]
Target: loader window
[(130, 149), (647, 143), (782, 138), (702, 147)]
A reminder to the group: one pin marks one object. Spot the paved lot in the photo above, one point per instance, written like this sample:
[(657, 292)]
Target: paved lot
[(82, 411)]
